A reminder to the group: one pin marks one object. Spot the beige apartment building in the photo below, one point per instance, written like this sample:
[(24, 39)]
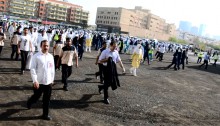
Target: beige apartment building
[(23, 7), (135, 22)]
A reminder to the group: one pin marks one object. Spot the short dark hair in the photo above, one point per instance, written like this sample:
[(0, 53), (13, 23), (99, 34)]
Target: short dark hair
[(43, 42), (25, 28), (112, 43), (68, 39), (103, 43)]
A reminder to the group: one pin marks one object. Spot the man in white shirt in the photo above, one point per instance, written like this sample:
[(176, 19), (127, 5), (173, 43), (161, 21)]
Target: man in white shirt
[(42, 74), (24, 46), (41, 37), (103, 59), (11, 30), (33, 38), (162, 51)]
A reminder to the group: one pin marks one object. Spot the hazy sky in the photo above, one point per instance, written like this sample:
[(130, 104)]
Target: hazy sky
[(196, 11)]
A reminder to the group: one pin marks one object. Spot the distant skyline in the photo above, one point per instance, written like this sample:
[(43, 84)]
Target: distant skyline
[(196, 12)]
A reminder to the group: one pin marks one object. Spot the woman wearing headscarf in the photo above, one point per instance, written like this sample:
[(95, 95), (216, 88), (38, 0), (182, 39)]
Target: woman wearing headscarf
[(88, 42), (136, 59)]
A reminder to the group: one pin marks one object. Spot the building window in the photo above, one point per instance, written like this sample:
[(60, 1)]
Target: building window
[(41, 9), (109, 12), (102, 12), (104, 17)]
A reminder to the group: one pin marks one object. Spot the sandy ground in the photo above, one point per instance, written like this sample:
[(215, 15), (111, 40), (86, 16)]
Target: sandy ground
[(155, 97)]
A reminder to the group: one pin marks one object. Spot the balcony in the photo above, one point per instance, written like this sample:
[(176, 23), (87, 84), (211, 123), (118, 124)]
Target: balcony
[(61, 10), (32, 5), (30, 9), (17, 2), (30, 14), (15, 7), (77, 14), (76, 17), (51, 17), (84, 18), (52, 8), (78, 10), (85, 15), (62, 15), (16, 12), (61, 19)]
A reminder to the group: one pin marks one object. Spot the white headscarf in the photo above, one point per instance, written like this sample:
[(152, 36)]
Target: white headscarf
[(138, 49)]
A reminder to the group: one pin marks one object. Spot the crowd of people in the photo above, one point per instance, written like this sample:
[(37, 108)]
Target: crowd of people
[(33, 43)]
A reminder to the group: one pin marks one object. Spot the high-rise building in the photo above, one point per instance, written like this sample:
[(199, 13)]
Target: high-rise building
[(185, 26), (55, 10), (202, 29), (194, 30), (135, 22)]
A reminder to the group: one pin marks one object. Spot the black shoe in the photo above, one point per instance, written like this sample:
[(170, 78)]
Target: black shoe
[(100, 89), (28, 105), (102, 81), (46, 117), (106, 101), (96, 76), (65, 88), (22, 72)]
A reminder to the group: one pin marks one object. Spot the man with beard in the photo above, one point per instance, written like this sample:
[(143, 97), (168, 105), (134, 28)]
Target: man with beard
[(42, 74)]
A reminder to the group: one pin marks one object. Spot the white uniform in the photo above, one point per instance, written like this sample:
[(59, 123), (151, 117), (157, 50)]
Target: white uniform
[(41, 38)]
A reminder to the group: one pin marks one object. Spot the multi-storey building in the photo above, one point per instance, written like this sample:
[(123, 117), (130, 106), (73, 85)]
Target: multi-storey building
[(24, 8), (46, 10), (3, 5), (136, 22)]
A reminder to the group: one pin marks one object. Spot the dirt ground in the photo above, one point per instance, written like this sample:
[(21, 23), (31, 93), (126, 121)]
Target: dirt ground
[(155, 97)]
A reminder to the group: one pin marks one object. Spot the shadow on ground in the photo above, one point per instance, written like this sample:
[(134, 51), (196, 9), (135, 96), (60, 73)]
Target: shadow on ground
[(211, 69), (54, 104)]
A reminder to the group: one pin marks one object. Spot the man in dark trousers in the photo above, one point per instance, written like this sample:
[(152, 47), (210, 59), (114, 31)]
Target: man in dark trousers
[(57, 50), (66, 56), (183, 57), (14, 44), (206, 60), (76, 41), (81, 45), (24, 47), (179, 55), (100, 73), (104, 57), (174, 61), (42, 74), (146, 54)]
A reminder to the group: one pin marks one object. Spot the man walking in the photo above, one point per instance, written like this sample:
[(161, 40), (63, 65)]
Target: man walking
[(104, 58), (206, 61), (42, 74), (57, 51), (66, 56), (14, 44), (24, 46)]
